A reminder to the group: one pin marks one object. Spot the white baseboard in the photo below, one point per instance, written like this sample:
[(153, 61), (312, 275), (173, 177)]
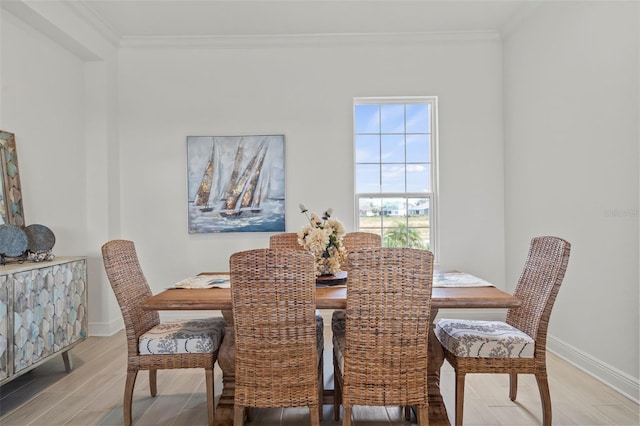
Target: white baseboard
[(607, 374), (105, 329)]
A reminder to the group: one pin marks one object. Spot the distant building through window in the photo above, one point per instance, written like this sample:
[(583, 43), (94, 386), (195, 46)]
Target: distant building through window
[(395, 148)]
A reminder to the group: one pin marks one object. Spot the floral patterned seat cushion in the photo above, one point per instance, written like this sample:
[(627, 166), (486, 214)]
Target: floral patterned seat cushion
[(483, 339), (181, 337), (319, 333), (339, 343), (338, 322)]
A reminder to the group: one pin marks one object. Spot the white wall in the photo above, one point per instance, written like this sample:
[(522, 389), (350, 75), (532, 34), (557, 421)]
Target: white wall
[(58, 98), (571, 159), (48, 121), (305, 92)]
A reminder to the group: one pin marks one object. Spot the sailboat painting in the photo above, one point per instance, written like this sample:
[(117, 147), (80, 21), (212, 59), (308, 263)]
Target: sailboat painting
[(236, 183)]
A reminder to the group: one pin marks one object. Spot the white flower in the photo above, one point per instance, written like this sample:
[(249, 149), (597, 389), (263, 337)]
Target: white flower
[(323, 238)]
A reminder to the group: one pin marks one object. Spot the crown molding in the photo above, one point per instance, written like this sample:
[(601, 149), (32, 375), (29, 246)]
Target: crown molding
[(88, 14), (521, 15), (304, 40), (32, 14)]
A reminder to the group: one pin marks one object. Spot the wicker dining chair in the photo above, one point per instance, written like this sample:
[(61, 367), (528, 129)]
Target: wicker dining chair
[(278, 348), (152, 345), (359, 240), (352, 241), (518, 345), (381, 359), (289, 240), (285, 240)]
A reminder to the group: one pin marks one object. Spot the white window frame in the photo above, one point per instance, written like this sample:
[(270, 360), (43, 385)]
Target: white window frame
[(431, 196)]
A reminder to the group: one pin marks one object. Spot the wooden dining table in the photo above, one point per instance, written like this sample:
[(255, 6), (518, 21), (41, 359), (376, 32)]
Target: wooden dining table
[(327, 297)]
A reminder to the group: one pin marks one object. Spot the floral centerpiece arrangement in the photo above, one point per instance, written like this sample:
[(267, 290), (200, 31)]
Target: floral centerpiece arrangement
[(323, 237)]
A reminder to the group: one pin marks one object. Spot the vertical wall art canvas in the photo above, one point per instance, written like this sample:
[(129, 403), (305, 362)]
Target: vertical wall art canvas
[(236, 183)]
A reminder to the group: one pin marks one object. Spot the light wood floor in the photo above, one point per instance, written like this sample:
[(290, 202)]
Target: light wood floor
[(92, 394)]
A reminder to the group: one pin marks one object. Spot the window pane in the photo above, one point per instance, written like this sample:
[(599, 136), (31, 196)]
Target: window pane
[(419, 209), (392, 118), (367, 119), (394, 222), (394, 210), (418, 118), (418, 232), (393, 178), (369, 217), (418, 148), (368, 178), (418, 178), (367, 149), (392, 148)]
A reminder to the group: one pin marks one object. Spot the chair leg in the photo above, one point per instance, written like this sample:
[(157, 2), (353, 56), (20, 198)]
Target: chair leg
[(459, 397), (423, 416), (128, 396), (513, 386), (153, 382), (346, 416), (238, 415), (314, 413), (407, 413), (211, 410), (545, 398)]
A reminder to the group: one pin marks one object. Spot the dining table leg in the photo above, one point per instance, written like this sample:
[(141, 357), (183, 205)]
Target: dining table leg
[(226, 361), (437, 410)]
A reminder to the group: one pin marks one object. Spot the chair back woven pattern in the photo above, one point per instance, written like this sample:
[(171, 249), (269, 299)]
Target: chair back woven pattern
[(273, 295), (131, 288), (285, 240), (387, 326), (538, 287), (358, 240)]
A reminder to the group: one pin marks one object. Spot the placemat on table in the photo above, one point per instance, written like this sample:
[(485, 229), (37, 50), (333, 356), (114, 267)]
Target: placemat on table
[(458, 279), (204, 281)]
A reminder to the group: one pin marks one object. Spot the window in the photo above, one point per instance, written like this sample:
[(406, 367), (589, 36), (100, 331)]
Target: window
[(395, 170)]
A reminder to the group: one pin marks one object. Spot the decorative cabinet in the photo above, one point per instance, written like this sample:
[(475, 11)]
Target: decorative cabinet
[(43, 313)]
